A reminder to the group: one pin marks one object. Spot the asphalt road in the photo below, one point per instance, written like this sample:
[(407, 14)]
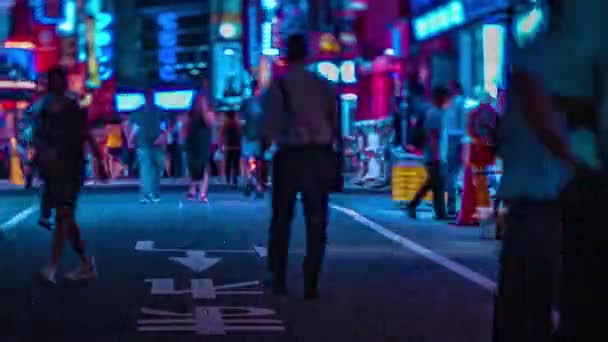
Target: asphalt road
[(181, 271)]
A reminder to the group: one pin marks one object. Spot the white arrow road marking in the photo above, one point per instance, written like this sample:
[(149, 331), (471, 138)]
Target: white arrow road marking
[(261, 251), (150, 246), (196, 261)]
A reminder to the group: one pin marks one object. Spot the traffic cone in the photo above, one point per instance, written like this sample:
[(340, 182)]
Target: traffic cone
[(16, 175), (480, 183), (468, 204)]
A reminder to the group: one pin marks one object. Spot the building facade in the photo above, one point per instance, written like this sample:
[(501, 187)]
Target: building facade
[(161, 43)]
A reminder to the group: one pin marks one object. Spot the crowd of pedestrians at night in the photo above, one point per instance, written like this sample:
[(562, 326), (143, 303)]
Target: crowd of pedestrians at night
[(551, 136)]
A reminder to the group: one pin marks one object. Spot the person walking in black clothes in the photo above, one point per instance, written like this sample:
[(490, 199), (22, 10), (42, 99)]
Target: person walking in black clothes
[(198, 145), (232, 133), (435, 156), (59, 140), (301, 117)]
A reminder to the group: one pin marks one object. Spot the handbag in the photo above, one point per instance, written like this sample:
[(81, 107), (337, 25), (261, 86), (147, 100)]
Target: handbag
[(331, 160)]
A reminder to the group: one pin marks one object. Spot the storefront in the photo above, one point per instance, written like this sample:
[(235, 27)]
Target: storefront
[(461, 40)]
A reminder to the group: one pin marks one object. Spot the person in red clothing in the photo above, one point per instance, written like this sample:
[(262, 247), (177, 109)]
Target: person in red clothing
[(481, 127)]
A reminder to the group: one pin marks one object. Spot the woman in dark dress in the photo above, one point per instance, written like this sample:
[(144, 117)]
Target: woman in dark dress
[(198, 146)]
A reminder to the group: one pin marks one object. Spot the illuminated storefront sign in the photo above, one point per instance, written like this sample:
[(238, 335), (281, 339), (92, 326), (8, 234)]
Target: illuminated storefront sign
[(167, 41), (439, 20), (68, 26), (104, 49), (344, 73), (268, 27), (227, 74), (444, 17), (18, 85)]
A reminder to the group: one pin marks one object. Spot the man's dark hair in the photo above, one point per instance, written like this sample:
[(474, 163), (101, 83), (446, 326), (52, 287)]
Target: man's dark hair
[(416, 88), (440, 94), (297, 48), (56, 73)]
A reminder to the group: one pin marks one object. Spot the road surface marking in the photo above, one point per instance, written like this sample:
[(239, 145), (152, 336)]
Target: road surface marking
[(203, 288), (150, 246), (196, 261), (17, 219), (211, 320), (453, 266), (261, 251)]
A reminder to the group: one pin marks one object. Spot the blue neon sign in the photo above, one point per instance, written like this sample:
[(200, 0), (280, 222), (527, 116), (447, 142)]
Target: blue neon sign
[(68, 26), (103, 44), (439, 20), (167, 41), (49, 11)]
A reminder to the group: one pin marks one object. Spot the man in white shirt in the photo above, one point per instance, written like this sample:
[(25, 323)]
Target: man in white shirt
[(302, 119), (435, 151)]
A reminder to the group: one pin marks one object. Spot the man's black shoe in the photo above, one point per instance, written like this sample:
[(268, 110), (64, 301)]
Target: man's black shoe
[(411, 212)]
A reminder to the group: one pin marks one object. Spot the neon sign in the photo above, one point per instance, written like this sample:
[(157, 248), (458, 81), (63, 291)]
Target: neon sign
[(167, 40), (439, 20), (129, 102), (345, 73), (20, 85), (254, 48), (68, 26), (103, 45), (174, 99), (49, 11)]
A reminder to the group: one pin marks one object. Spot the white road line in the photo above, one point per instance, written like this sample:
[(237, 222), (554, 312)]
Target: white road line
[(17, 219), (453, 266)]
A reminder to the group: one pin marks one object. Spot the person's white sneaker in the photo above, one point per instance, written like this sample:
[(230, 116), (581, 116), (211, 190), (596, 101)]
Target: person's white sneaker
[(86, 271), (48, 274)]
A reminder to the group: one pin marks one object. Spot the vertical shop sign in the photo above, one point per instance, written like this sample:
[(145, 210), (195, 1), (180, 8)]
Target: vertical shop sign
[(167, 42), (254, 34)]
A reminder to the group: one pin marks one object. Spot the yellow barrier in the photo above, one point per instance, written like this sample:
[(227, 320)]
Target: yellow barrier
[(407, 179), (16, 175)]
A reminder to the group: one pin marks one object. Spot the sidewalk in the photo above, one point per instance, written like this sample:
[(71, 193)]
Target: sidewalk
[(216, 184)]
